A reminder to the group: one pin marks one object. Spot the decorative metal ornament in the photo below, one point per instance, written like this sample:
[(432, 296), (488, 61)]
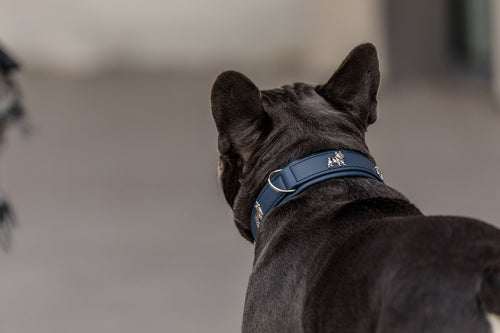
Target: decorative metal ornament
[(379, 173), (338, 159), (259, 215)]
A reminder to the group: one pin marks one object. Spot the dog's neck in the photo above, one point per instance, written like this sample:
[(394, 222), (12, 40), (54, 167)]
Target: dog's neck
[(284, 184), (253, 183), (346, 204), (256, 171)]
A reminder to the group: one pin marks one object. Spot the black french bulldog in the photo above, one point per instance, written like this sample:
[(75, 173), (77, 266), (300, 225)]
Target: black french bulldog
[(11, 111), (347, 254)]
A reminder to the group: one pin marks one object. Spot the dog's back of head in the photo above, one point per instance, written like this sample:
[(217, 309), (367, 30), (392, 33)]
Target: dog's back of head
[(260, 131)]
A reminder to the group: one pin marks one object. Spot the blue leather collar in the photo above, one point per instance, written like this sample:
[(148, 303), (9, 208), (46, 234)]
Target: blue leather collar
[(284, 184)]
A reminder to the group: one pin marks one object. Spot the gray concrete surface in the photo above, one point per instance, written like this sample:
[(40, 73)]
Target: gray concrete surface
[(123, 227)]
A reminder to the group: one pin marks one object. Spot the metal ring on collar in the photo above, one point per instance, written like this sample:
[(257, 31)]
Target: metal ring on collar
[(277, 189)]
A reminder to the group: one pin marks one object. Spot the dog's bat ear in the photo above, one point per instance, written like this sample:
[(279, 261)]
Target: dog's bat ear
[(354, 86), (236, 107)]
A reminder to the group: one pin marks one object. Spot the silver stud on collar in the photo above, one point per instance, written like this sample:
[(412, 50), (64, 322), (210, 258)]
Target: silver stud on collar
[(338, 159), (379, 173), (259, 215)]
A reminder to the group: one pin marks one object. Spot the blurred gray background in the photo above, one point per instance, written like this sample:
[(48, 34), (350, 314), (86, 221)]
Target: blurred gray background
[(123, 227)]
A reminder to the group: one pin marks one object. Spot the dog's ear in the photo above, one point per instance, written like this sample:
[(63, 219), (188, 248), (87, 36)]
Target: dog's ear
[(239, 117), (238, 112), (353, 87)]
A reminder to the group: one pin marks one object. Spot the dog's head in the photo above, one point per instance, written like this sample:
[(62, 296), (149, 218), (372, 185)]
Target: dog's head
[(260, 131)]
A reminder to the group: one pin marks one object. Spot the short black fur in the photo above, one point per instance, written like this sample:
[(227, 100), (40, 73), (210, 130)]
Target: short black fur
[(352, 254)]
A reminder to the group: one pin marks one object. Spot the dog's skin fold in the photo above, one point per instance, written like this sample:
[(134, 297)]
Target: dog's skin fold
[(351, 254)]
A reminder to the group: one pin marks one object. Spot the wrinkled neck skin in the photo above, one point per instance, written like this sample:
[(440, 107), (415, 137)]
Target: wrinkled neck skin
[(256, 173), (293, 135)]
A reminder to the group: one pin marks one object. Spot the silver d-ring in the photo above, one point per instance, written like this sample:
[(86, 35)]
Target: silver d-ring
[(277, 189)]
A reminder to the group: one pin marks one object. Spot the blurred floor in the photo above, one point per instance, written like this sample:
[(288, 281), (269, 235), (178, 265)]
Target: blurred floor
[(123, 227)]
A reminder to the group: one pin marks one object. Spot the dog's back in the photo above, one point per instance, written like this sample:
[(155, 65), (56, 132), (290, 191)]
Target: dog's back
[(376, 265)]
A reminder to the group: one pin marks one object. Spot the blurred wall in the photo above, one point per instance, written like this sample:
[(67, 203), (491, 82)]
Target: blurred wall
[(337, 26), (94, 35), (495, 35), (417, 35)]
